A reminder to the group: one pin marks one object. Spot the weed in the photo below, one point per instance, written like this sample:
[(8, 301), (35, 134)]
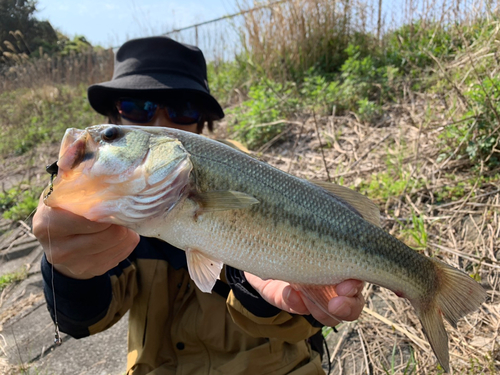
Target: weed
[(225, 78), (42, 115), (410, 367), (19, 202), (417, 232), (319, 93), (390, 183), (12, 277), (450, 192), (268, 102), (368, 111), (325, 331), (482, 141)]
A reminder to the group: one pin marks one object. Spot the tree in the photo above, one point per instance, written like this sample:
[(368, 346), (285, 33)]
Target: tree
[(21, 33)]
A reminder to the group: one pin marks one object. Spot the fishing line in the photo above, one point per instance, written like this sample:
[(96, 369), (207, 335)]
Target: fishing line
[(57, 335), (52, 169)]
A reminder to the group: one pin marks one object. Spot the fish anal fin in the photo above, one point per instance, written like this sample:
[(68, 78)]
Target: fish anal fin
[(320, 295), (223, 200), (457, 295), (203, 270), (360, 203)]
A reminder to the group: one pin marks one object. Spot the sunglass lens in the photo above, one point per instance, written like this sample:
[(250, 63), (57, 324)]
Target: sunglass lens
[(183, 115), (139, 111)]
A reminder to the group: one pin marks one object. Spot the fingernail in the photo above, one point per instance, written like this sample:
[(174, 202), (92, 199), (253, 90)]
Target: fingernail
[(292, 298), (341, 311), (343, 291), (352, 292)]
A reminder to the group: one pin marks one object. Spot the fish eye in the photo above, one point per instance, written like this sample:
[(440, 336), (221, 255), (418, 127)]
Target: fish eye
[(110, 134)]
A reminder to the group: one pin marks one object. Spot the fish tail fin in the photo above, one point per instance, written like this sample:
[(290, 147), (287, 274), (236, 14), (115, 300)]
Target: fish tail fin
[(456, 296)]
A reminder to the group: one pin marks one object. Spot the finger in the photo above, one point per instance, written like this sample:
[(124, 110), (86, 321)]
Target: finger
[(349, 288), (346, 308), (278, 293), (293, 300), (66, 249), (64, 223), (91, 265), (110, 259), (57, 226), (97, 242), (320, 315)]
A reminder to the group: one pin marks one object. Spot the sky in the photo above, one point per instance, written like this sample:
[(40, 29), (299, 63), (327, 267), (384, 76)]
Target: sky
[(109, 23)]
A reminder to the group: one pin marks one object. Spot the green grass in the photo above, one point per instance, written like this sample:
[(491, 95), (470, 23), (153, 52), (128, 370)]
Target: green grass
[(13, 277), (31, 117), (410, 368), (19, 202)]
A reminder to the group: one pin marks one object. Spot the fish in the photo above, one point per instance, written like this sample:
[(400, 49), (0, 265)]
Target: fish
[(223, 206)]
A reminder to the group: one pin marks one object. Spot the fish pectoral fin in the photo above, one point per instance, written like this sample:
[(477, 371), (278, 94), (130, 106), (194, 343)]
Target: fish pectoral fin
[(320, 295), (360, 203), (203, 270), (224, 200)]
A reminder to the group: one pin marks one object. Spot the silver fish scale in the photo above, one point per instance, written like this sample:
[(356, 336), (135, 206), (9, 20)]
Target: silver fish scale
[(330, 226)]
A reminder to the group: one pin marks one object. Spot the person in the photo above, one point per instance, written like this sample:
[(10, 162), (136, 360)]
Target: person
[(100, 271)]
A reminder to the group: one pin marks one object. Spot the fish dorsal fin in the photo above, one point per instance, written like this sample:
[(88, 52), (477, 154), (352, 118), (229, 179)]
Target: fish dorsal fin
[(204, 271), (364, 206), (234, 144), (224, 200)]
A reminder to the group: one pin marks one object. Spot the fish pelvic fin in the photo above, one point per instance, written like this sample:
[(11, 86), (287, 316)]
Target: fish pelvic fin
[(203, 270), (457, 295), (320, 295)]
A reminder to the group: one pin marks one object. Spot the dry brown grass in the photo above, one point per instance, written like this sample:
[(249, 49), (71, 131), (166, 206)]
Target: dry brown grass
[(462, 229), (292, 36), (463, 233), (85, 68), (286, 39)]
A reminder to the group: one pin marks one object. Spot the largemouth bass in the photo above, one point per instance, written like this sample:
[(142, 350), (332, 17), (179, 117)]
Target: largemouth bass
[(223, 206)]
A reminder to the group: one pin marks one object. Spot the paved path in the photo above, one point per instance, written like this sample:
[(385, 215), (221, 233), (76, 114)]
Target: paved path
[(26, 330)]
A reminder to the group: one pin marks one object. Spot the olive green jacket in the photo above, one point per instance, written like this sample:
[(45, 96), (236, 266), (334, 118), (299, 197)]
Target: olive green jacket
[(174, 328)]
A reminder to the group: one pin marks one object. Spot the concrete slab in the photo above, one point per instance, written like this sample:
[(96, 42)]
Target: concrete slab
[(30, 260), (10, 235), (28, 336), (27, 331), (29, 342), (102, 354), (20, 250)]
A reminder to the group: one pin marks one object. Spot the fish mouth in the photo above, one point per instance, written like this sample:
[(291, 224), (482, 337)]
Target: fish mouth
[(73, 150)]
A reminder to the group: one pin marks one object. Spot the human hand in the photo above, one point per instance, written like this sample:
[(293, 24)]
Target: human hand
[(80, 248), (346, 306)]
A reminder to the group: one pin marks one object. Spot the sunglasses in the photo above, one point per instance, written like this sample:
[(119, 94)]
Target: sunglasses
[(143, 111)]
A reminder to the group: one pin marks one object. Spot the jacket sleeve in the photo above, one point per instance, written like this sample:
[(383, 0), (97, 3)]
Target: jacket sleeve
[(258, 318), (85, 307)]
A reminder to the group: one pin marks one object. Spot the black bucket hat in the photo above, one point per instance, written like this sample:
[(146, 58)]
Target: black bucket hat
[(159, 69)]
